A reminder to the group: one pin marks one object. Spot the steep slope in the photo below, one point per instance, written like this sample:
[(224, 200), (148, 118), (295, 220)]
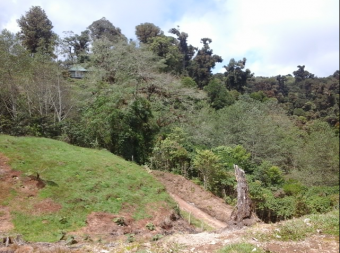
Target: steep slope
[(192, 193), (49, 188)]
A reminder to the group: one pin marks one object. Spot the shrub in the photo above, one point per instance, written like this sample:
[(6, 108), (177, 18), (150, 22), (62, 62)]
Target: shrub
[(293, 187), (150, 226), (188, 82)]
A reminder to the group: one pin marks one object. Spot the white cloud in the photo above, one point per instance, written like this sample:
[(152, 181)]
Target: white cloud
[(274, 35)]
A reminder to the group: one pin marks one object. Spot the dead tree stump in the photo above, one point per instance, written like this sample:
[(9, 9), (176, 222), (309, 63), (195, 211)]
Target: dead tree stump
[(242, 214)]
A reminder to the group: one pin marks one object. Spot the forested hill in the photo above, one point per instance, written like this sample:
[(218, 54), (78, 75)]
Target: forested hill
[(155, 101)]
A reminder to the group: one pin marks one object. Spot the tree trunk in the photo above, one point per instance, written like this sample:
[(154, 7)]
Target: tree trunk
[(242, 214)]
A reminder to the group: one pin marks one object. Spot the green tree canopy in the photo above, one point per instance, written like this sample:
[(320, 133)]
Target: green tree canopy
[(218, 95), (77, 46), (188, 51), (36, 31), (236, 77), (207, 163), (147, 31), (119, 62), (203, 63), (103, 28), (14, 70), (302, 74), (166, 48)]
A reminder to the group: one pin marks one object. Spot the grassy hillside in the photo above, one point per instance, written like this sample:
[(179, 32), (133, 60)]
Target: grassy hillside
[(79, 181)]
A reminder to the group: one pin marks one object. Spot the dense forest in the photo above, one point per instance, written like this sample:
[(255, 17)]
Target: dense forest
[(156, 101)]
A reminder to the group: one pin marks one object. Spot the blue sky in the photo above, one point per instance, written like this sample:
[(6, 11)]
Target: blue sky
[(274, 35)]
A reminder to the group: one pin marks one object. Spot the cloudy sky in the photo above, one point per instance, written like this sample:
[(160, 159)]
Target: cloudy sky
[(274, 35)]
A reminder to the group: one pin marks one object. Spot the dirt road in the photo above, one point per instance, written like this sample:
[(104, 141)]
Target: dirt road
[(197, 213)]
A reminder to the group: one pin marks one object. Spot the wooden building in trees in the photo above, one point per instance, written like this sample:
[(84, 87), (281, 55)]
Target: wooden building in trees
[(77, 71)]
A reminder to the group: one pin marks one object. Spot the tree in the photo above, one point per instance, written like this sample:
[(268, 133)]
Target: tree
[(133, 131), (77, 46), (170, 154), (282, 88), (34, 96), (147, 31), (269, 175), (204, 61), (302, 74), (119, 62), (103, 28), (48, 95), (36, 31), (166, 48), (207, 163), (244, 207), (218, 95), (236, 77), (15, 65), (188, 51), (317, 161)]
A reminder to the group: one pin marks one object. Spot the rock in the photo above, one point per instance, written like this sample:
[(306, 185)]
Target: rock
[(174, 216), (166, 224)]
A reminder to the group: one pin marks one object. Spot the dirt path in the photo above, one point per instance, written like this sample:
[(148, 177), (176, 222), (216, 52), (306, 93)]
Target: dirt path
[(197, 213), (190, 192)]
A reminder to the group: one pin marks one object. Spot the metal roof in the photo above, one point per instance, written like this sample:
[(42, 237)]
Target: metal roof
[(77, 68)]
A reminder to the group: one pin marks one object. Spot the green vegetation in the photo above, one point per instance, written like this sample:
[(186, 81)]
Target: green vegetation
[(156, 102), (299, 229), (240, 248), (195, 222), (81, 181)]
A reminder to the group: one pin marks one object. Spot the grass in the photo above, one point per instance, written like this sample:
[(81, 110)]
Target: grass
[(299, 229), (81, 180), (240, 248), (195, 222)]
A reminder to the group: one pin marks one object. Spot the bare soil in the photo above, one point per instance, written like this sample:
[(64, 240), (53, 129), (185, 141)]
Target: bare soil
[(195, 195), (103, 235)]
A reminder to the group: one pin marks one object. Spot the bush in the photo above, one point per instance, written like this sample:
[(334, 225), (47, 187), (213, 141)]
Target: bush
[(150, 226), (188, 82), (317, 204), (293, 187)]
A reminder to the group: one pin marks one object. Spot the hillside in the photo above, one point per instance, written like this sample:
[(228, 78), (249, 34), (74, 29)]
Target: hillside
[(50, 188), (61, 198)]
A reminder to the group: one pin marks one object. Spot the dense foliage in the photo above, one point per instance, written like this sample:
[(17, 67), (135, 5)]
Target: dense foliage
[(155, 101)]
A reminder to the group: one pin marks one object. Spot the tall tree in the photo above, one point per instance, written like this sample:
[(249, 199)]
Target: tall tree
[(282, 88), (166, 48), (147, 31), (236, 77), (103, 28), (14, 69), (77, 46), (133, 131), (200, 69), (36, 31), (302, 74), (207, 163), (188, 51), (119, 62)]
